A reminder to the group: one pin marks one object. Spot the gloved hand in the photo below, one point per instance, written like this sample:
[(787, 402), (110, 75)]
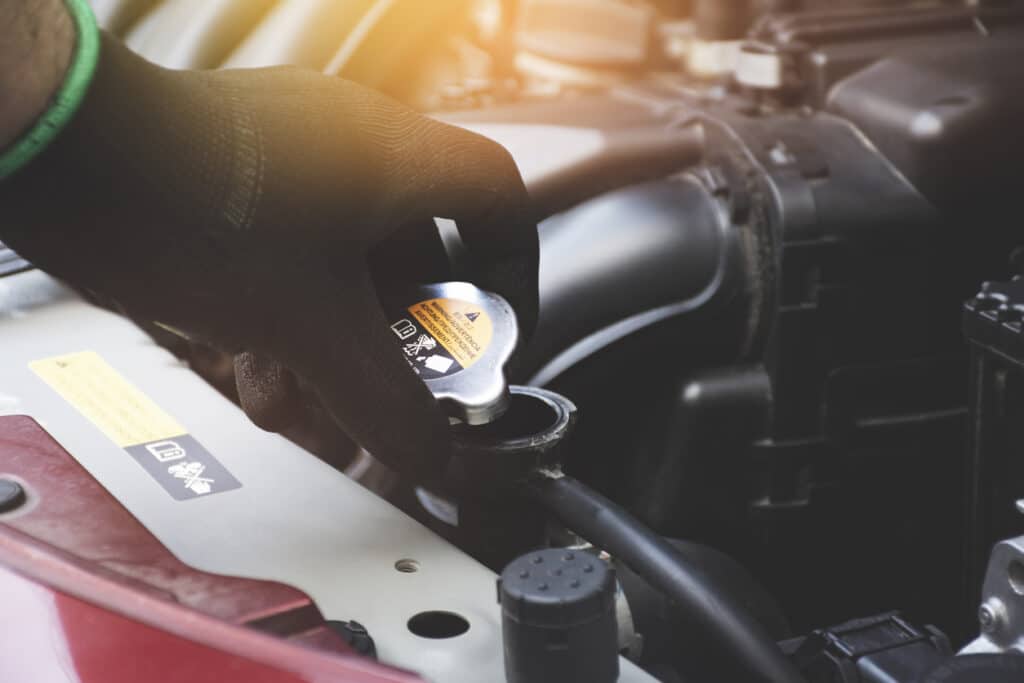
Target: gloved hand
[(246, 208)]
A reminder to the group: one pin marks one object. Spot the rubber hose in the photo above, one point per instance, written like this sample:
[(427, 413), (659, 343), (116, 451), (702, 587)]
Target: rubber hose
[(611, 528), (626, 157)]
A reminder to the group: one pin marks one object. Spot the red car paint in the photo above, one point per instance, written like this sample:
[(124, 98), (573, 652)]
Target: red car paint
[(90, 596)]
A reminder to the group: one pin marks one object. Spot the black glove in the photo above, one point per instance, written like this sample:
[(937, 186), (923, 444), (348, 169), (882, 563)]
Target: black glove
[(245, 208)]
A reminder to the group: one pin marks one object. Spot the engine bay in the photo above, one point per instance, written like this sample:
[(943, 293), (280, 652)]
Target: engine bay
[(774, 386)]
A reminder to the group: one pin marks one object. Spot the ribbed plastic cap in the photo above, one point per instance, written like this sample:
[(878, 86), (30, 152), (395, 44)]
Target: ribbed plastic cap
[(556, 588)]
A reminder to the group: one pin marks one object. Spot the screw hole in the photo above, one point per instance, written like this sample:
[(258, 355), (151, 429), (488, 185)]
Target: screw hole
[(407, 566), (1015, 574), (438, 625)]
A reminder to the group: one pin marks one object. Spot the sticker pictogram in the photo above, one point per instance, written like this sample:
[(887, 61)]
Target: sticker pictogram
[(136, 424)]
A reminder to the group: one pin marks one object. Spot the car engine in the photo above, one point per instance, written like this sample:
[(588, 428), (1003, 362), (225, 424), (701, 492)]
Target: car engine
[(774, 399)]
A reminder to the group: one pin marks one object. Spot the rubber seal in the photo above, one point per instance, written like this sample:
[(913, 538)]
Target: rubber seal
[(67, 100)]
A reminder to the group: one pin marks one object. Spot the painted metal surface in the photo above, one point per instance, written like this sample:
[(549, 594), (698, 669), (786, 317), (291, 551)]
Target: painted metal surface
[(67, 509), (145, 615), (50, 636), (295, 520)]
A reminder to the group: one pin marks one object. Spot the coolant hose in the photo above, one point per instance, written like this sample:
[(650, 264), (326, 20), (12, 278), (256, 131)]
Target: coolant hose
[(610, 527), (564, 165), (626, 157)]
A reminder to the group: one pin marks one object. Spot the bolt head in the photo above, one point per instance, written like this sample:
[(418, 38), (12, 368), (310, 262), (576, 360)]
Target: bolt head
[(991, 616)]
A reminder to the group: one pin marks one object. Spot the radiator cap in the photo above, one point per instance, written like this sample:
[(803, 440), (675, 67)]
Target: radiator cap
[(458, 339)]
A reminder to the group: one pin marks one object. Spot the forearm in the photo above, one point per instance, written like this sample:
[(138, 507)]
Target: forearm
[(35, 52), (156, 171)]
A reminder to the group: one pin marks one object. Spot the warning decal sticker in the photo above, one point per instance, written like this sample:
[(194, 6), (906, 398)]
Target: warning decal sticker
[(443, 336), (136, 424)]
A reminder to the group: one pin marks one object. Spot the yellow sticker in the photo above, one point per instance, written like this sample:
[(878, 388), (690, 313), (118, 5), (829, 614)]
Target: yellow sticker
[(464, 329), (99, 392)]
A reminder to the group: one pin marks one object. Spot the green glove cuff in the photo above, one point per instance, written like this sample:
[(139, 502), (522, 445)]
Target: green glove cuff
[(67, 100)]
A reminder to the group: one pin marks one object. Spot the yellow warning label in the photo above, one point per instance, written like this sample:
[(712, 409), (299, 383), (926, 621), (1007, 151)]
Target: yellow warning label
[(122, 412), (462, 328)]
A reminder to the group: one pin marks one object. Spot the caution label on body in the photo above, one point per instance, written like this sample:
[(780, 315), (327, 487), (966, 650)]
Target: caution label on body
[(136, 424), (444, 336)]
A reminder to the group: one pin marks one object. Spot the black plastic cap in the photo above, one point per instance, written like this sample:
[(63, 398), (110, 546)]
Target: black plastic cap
[(558, 618), (557, 587)]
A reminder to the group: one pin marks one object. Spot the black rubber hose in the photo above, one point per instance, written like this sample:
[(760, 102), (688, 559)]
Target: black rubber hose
[(616, 143), (611, 528), (626, 157)]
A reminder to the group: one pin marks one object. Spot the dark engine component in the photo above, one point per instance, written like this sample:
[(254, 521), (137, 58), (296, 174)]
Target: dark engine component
[(881, 649), (743, 645), (780, 322), (676, 644), (479, 487), (994, 325), (751, 286)]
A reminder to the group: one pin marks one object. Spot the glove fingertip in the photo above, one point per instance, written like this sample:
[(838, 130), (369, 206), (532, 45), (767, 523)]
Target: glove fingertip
[(268, 392)]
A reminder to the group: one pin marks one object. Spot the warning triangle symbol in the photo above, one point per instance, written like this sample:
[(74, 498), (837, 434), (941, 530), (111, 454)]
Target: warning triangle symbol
[(472, 317)]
